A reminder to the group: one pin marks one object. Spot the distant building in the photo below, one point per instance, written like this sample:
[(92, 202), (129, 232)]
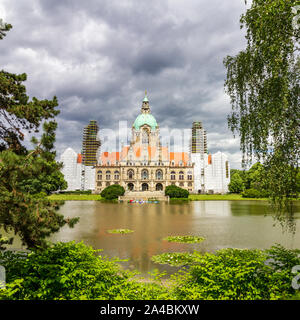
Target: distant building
[(71, 169), (198, 142), (211, 173), (90, 144), (90, 153), (79, 169)]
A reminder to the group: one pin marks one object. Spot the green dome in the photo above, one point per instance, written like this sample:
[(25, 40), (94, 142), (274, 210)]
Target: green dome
[(145, 118)]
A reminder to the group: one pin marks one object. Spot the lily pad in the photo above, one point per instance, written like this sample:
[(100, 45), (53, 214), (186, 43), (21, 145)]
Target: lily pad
[(120, 231), (176, 259), (184, 239)]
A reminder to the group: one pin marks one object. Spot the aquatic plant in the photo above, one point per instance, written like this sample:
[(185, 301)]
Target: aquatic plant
[(121, 231), (176, 259), (184, 239)]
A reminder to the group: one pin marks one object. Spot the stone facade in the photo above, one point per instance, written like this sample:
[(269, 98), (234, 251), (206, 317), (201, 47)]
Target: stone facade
[(144, 165)]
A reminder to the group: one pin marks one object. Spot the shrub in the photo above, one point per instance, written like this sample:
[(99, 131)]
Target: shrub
[(70, 271), (236, 274), (253, 193), (112, 192), (176, 192)]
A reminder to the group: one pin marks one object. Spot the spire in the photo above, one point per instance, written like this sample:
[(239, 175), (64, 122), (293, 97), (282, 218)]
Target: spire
[(146, 98), (145, 106)]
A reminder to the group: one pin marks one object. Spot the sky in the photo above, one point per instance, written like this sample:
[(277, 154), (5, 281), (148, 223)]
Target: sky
[(98, 57)]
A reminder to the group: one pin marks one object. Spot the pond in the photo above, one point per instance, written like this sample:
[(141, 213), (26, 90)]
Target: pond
[(223, 224)]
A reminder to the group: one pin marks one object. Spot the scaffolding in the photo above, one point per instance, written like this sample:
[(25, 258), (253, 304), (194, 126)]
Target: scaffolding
[(90, 149), (198, 142)]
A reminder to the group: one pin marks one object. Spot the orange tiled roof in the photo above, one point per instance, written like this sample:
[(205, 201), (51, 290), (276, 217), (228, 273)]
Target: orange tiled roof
[(113, 157), (209, 159)]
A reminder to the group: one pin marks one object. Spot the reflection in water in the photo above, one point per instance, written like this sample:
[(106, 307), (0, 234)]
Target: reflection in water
[(238, 224)]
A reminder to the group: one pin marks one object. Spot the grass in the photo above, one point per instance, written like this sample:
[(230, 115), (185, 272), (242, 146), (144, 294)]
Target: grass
[(192, 197), (75, 197), (231, 197)]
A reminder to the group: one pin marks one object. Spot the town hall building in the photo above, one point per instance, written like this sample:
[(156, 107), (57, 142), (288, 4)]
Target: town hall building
[(145, 164)]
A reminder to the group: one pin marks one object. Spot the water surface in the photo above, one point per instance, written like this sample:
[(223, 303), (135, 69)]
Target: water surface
[(224, 224)]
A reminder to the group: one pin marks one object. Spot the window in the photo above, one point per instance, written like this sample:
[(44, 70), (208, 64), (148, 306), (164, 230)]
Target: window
[(99, 175), (159, 175), (181, 175), (130, 174), (173, 175), (190, 175), (99, 184), (116, 175), (145, 138), (181, 184), (145, 174), (227, 169), (107, 175)]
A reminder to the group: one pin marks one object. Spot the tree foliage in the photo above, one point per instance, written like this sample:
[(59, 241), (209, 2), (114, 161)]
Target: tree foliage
[(27, 176), (176, 192), (236, 184), (72, 272), (112, 192), (264, 88)]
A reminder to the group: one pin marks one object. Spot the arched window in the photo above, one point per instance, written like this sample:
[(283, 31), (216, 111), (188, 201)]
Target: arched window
[(159, 175), (116, 175), (190, 175), (145, 174), (99, 175), (173, 175), (145, 137), (130, 174), (181, 175), (107, 175)]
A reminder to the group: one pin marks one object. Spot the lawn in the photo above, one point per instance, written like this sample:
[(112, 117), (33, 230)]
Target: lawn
[(192, 197), (75, 197), (199, 197)]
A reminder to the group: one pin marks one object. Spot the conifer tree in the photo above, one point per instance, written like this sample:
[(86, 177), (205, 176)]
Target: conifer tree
[(26, 176)]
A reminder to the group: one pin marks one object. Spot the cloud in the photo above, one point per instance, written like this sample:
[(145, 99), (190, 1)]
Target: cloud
[(99, 57)]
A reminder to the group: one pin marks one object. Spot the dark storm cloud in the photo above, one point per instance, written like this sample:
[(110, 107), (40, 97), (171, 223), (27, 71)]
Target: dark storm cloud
[(98, 57)]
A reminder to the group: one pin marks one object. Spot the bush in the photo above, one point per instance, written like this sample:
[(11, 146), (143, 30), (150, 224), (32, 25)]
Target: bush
[(176, 192), (236, 274), (70, 271), (112, 192), (253, 193)]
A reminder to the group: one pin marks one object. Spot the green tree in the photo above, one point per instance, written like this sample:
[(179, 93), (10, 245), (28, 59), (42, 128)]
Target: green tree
[(48, 177), (112, 192), (176, 192), (24, 210), (236, 184), (264, 88)]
